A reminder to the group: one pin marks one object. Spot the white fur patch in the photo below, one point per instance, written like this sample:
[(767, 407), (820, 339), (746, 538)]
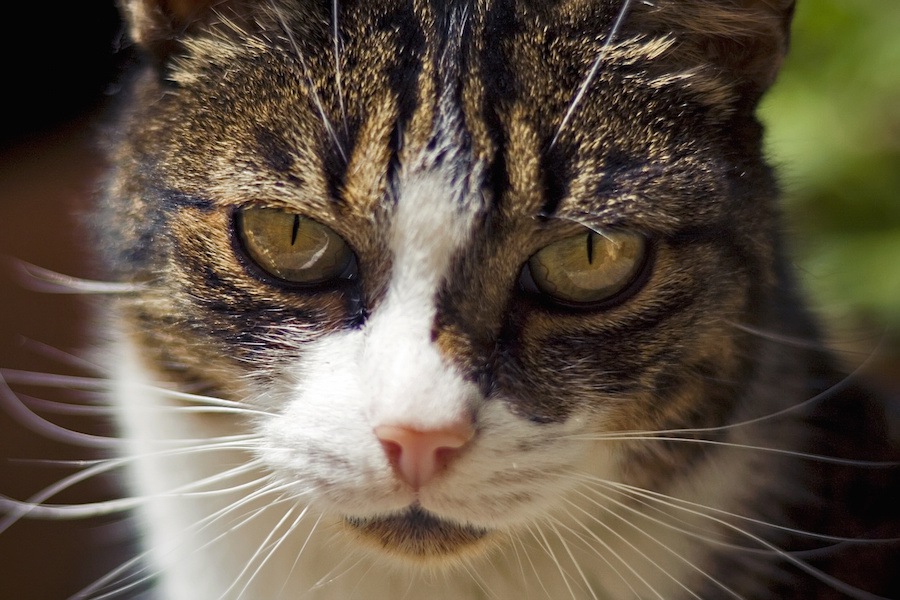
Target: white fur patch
[(410, 383)]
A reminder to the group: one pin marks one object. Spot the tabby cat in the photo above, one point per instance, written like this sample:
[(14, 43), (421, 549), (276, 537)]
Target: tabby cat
[(424, 299)]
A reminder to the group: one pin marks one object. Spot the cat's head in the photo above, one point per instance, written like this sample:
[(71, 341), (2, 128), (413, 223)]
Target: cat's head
[(447, 247)]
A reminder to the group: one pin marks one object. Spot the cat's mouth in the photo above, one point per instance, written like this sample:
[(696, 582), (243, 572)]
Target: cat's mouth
[(417, 533)]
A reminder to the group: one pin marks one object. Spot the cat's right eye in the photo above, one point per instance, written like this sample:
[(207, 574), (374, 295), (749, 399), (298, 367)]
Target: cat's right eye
[(291, 247)]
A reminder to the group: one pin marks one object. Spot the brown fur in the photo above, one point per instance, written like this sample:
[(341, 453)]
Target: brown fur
[(247, 109)]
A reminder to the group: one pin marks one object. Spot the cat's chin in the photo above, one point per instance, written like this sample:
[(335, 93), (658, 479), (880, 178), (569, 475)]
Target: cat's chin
[(416, 534)]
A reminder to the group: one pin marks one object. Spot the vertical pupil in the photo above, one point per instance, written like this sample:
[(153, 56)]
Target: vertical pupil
[(295, 229), (590, 247)]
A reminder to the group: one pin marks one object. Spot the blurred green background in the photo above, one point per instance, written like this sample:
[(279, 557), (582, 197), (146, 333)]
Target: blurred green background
[(834, 134)]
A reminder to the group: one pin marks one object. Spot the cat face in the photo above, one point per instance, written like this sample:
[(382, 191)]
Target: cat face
[(447, 250)]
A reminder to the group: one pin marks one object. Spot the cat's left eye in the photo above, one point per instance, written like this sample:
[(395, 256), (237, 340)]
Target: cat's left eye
[(291, 247), (588, 268)]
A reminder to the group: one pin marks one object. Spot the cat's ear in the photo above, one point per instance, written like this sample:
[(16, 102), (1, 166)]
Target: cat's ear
[(742, 43), (159, 25)]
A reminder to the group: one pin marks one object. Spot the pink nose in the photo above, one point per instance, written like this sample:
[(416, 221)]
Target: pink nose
[(418, 456)]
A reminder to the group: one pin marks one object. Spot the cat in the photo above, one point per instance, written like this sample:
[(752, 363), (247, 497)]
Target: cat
[(471, 299)]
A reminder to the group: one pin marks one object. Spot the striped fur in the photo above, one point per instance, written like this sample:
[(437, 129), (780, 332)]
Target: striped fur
[(447, 142)]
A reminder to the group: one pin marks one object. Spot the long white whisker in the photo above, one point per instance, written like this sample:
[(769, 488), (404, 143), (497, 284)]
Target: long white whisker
[(97, 509), (534, 569), (548, 548), (65, 408), (35, 507), (787, 340), (592, 73), (61, 356), (837, 584), (113, 575), (678, 503), (574, 560), (263, 547), (309, 80), (655, 506), (479, 581), (336, 572), (596, 538), (28, 418), (68, 408), (628, 543), (834, 389), (516, 542), (46, 281), (337, 64), (52, 380), (122, 584), (634, 526), (651, 436), (49, 380)]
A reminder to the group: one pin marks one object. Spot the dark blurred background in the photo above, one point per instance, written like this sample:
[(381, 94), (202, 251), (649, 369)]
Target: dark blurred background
[(60, 62), (834, 132)]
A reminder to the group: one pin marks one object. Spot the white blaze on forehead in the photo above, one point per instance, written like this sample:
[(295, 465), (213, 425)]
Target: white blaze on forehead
[(412, 384)]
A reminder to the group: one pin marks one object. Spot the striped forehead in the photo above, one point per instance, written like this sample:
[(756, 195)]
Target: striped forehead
[(437, 194), (508, 68)]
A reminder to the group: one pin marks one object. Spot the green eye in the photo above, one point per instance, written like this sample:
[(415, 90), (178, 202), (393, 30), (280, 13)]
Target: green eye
[(292, 247), (589, 267)]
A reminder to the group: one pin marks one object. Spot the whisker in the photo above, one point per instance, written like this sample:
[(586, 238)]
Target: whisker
[(514, 546), (677, 503), (64, 408), (113, 575), (61, 356), (632, 546), (262, 548), (534, 569), (641, 531), (838, 387), (787, 340), (72, 382), (337, 64), (123, 585), (651, 436), (43, 280), (572, 558), (320, 108), (20, 411), (478, 579), (330, 576), (210, 519), (68, 408), (596, 538), (34, 506), (592, 73), (53, 380), (119, 577), (196, 528), (656, 508), (544, 543), (818, 574)]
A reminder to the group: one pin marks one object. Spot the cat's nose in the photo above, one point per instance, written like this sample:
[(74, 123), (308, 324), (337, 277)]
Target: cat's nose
[(417, 456)]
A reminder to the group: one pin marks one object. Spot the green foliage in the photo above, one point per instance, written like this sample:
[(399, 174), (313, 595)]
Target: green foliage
[(834, 133)]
